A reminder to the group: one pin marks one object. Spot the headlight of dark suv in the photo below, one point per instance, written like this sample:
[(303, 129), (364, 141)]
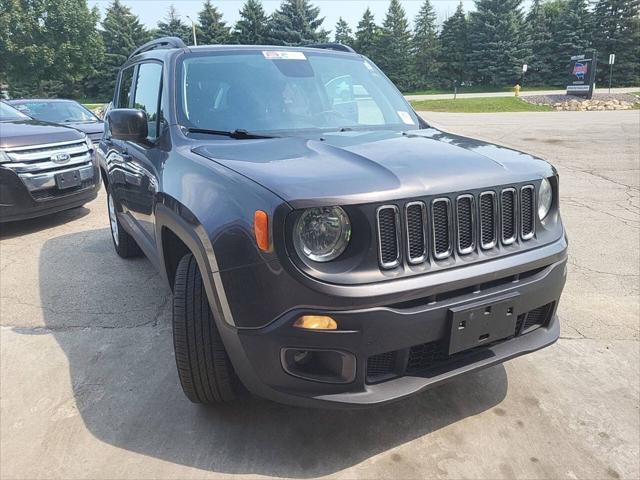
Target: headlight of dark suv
[(321, 234), (545, 198)]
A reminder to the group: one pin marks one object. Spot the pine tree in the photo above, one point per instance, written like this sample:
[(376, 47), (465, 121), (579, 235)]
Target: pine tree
[(173, 26), (617, 30), (343, 33), (367, 34), (539, 47), (394, 46), (296, 22), (212, 30), (570, 26), (495, 32), (426, 46), (251, 29), (122, 33), (454, 48)]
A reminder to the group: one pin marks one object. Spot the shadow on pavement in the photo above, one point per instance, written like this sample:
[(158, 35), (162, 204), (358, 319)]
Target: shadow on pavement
[(112, 319), (23, 227)]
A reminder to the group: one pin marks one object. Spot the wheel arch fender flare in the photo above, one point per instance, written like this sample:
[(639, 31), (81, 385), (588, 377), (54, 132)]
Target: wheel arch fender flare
[(182, 223)]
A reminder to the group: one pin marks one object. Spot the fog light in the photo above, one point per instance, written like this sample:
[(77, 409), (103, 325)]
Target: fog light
[(328, 366), (316, 322)]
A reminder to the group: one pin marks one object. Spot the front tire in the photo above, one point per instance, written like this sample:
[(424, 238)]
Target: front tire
[(205, 371), (124, 243)]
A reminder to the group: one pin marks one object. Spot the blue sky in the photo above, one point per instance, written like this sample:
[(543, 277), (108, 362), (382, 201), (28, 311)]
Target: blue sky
[(150, 11)]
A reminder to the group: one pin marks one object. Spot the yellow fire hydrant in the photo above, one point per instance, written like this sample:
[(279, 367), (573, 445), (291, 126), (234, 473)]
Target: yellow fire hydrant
[(517, 89)]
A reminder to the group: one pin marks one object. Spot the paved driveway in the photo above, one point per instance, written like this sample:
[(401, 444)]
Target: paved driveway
[(88, 387)]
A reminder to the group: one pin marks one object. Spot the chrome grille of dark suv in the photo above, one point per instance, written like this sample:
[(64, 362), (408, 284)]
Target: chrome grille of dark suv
[(440, 216), (465, 224), (459, 224), (488, 219), (527, 207), (415, 213), (508, 218), (388, 238), (37, 165)]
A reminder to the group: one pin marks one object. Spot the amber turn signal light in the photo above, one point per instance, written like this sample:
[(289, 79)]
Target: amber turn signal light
[(261, 230), (316, 322)]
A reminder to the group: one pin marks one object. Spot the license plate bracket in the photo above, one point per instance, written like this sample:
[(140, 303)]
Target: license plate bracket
[(68, 179), (482, 323)]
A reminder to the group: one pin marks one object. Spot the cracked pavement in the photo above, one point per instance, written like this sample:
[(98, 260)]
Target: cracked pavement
[(88, 387)]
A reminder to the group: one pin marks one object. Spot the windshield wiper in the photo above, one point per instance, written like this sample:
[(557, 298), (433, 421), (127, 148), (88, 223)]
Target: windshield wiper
[(238, 133)]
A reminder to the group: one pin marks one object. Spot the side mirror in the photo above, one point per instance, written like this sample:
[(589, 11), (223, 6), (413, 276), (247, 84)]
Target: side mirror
[(127, 124)]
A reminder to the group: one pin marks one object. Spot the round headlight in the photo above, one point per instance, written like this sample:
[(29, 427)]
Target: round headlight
[(322, 234), (545, 198)]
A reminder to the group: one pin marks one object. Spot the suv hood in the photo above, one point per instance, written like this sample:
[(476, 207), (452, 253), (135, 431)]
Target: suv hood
[(363, 167), (24, 133)]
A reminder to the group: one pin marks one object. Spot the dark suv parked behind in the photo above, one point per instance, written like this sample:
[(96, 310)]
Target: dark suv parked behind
[(324, 245), (44, 168)]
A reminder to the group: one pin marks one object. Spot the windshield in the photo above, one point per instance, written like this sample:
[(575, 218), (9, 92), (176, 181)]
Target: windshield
[(261, 91), (56, 112), (8, 113)]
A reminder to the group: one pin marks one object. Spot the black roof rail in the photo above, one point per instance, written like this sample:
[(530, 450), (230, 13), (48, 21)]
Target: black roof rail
[(159, 43), (332, 46)]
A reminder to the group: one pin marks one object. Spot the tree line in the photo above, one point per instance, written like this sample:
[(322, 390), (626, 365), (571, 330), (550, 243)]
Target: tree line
[(63, 48)]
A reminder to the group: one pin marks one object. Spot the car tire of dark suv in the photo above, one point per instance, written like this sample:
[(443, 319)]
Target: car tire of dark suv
[(124, 243), (205, 371)]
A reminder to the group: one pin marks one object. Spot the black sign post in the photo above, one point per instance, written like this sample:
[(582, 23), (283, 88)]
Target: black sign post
[(582, 76)]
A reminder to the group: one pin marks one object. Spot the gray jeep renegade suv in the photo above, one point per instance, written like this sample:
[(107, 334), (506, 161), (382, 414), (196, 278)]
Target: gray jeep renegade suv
[(324, 245)]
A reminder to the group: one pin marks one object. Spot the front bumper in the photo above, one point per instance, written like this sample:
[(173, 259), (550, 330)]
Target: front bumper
[(397, 329), (33, 195)]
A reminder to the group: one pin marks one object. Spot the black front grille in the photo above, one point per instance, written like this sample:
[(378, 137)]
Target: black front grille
[(433, 355), (381, 366), (388, 236), (508, 204), (416, 237), (455, 225), (487, 219), (465, 224), (527, 211), (441, 229)]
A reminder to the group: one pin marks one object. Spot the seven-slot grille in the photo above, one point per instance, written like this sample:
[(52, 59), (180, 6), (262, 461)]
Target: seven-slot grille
[(463, 223)]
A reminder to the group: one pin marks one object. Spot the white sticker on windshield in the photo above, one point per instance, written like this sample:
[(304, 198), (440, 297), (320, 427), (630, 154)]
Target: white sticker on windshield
[(275, 55), (405, 117)]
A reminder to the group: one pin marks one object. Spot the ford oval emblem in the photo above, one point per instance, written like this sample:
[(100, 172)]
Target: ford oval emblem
[(60, 158)]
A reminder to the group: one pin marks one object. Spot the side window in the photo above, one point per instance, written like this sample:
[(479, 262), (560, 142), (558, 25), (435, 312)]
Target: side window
[(147, 94), (124, 95)]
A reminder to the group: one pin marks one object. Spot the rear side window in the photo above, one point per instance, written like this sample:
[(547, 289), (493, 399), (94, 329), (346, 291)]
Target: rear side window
[(124, 93), (147, 94)]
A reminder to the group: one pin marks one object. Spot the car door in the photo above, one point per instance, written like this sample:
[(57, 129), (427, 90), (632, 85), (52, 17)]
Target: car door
[(144, 159), (114, 150)]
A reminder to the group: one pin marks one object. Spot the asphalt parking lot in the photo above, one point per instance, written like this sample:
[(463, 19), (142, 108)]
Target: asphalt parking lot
[(89, 389)]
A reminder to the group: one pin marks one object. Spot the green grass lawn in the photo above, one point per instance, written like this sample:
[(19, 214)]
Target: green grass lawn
[(91, 106), (479, 105), (479, 89)]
